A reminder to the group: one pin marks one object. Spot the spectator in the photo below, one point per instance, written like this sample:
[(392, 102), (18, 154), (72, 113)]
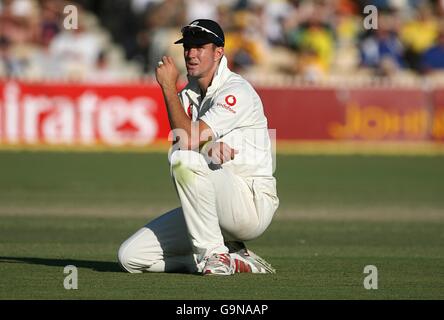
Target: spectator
[(433, 58), (275, 13), (125, 29), (241, 48), (156, 34), (19, 20), (10, 66), (102, 71), (319, 39), (309, 65), (75, 51), (313, 38), (50, 22), (382, 50), (310, 34), (418, 35)]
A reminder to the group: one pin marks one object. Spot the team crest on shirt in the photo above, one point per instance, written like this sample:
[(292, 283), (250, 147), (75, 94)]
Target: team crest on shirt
[(230, 101)]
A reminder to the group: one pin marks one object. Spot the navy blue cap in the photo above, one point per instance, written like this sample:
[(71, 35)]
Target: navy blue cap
[(202, 31)]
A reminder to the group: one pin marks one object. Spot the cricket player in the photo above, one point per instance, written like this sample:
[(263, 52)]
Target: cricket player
[(221, 166)]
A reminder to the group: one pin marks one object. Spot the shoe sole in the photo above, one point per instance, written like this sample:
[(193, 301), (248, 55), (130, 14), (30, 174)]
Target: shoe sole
[(231, 272), (262, 262)]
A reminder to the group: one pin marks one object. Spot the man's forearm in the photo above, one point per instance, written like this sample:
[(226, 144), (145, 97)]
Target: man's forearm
[(176, 114), (187, 131), (179, 120)]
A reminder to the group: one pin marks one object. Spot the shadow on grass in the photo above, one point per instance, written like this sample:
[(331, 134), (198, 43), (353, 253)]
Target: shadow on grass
[(102, 266)]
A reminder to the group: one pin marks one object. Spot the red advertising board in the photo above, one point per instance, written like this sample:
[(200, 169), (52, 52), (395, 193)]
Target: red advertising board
[(81, 114), (349, 114), (438, 114), (301, 113), (115, 115), (384, 114)]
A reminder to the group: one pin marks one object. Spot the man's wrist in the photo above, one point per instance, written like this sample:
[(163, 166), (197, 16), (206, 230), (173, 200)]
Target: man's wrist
[(169, 88)]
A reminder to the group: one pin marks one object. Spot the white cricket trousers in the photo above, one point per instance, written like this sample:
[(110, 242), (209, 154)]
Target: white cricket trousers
[(217, 206)]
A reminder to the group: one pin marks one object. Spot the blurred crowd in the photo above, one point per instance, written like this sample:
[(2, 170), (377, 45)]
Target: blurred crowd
[(312, 39), (47, 40)]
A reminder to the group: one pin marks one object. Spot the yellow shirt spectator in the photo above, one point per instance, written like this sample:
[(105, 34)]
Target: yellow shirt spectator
[(320, 41), (419, 34)]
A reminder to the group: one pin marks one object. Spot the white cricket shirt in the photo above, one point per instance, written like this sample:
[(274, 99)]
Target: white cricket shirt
[(234, 112)]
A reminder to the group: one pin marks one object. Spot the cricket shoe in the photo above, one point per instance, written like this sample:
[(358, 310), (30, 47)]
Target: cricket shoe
[(246, 261), (219, 264)]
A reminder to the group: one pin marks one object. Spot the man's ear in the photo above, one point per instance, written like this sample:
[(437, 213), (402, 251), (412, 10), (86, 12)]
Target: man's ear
[(219, 52)]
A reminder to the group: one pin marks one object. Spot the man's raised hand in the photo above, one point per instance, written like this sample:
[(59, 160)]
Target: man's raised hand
[(167, 73)]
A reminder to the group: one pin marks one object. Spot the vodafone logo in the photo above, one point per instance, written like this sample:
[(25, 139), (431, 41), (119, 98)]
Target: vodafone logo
[(230, 100), (190, 111)]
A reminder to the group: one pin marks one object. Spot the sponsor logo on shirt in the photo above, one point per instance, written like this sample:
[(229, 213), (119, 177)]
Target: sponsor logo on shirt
[(230, 101)]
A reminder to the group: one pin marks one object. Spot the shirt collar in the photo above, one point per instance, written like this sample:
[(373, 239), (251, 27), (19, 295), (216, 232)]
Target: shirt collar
[(219, 78)]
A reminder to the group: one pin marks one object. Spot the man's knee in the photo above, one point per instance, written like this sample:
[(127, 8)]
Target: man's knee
[(186, 163), (140, 252), (186, 158), (127, 259)]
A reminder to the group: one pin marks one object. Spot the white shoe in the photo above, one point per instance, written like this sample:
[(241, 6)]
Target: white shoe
[(219, 264), (246, 260)]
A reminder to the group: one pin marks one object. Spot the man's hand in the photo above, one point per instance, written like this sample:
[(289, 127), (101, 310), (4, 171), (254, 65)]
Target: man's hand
[(167, 73), (220, 152), (167, 76)]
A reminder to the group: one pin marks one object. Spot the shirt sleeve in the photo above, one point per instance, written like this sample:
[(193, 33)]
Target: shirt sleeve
[(230, 109)]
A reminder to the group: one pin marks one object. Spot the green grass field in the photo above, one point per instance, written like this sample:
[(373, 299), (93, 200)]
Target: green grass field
[(337, 215)]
